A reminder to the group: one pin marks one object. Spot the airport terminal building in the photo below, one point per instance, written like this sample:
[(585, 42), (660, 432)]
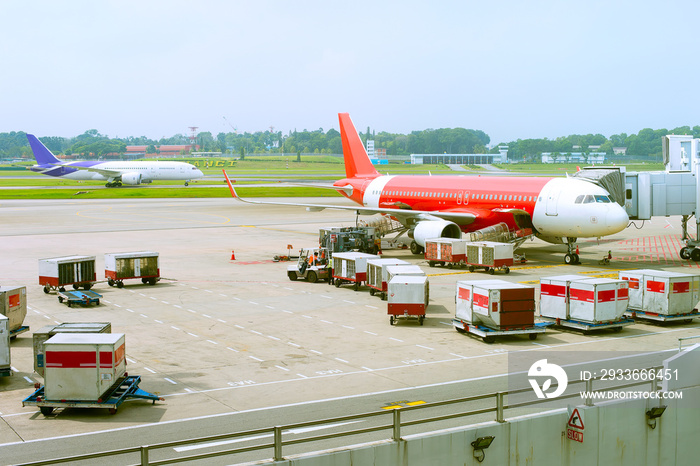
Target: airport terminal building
[(461, 159)]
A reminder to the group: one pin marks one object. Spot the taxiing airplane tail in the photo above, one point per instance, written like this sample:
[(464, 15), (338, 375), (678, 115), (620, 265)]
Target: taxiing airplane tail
[(42, 154), (357, 163)]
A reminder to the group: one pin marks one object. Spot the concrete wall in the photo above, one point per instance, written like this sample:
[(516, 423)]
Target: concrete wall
[(615, 433)]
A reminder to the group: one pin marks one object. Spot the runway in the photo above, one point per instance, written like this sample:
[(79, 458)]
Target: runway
[(234, 345)]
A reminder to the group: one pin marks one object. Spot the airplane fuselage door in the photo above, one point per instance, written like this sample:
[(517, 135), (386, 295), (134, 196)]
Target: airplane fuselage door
[(459, 198), (552, 200)]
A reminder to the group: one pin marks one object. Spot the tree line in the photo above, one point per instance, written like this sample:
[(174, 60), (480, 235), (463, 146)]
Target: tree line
[(646, 143)]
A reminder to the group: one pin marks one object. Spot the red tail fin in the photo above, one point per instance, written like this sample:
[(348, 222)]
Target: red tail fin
[(357, 162)]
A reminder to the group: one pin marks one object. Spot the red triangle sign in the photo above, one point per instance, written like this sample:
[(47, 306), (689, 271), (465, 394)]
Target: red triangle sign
[(575, 420)]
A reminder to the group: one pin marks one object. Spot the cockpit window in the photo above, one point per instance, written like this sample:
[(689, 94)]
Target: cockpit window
[(588, 199), (579, 199), (603, 199)]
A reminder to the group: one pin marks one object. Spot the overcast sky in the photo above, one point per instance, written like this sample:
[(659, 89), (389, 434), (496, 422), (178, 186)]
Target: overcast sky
[(513, 69)]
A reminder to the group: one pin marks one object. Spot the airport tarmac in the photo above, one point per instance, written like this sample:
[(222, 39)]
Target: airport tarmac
[(232, 344)]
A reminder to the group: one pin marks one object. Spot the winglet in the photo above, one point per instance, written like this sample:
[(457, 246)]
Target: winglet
[(42, 154), (230, 186), (357, 161)]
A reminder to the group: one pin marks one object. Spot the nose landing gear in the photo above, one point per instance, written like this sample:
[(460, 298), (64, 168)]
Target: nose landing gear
[(571, 257)]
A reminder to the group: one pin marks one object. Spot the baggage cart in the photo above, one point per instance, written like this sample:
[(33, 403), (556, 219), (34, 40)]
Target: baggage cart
[(377, 275), (586, 304), (59, 272), (351, 267), (46, 332), (13, 304), (662, 293), (451, 252), (489, 335), (5, 362), (408, 297), (125, 388), (127, 265), (83, 298), (664, 318), (490, 255)]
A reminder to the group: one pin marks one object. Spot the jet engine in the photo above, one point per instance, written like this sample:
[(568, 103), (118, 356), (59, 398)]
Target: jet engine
[(131, 178), (434, 229)]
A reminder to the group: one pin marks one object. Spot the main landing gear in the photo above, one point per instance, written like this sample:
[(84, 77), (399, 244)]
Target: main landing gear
[(571, 257), (113, 184)]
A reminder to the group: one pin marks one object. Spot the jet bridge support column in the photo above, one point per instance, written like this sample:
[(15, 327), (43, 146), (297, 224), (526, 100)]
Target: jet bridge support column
[(691, 250)]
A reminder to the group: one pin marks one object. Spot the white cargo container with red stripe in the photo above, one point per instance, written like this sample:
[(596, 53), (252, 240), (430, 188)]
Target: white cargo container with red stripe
[(5, 361), (13, 304), (377, 276), (490, 255), (126, 265), (408, 297), (351, 267), (584, 303), (491, 308), (59, 272), (446, 251), (82, 367), (662, 295)]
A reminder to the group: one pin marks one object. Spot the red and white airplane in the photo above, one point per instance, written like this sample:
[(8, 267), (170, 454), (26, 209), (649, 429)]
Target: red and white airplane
[(558, 210)]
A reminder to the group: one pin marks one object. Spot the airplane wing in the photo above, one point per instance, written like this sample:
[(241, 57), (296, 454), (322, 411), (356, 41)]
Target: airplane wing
[(405, 216)]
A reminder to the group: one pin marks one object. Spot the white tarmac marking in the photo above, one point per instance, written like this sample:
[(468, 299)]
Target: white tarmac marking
[(149, 370), (256, 332), (170, 380), (371, 333), (144, 315), (175, 305), (256, 359), (269, 307), (446, 323), (174, 328), (274, 338), (158, 321), (349, 302), (195, 288), (165, 302), (395, 339), (366, 368), (208, 291), (348, 327), (116, 305), (307, 317), (222, 321), (130, 361), (237, 299), (540, 344), (28, 379), (221, 294), (14, 369), (314, 351), (190, 310), (426, 347), (287, 288), (283, 368), (254, 303), (192, 334), (238, 326), (130, 310), (234, 350), (302, 376), (208, 317), (327, 322), (212, 342), (293, 344), (46, 317), (154, 299), (371, 307), (458, 355), (341, 360), (326, 296), (288, 312)]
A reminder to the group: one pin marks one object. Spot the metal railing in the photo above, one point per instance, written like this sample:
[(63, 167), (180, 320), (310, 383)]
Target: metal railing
[(277, 433), (682, 339)]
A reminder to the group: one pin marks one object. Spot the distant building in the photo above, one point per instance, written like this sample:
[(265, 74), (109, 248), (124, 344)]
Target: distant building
[(574, 157), (461, 159), (620, 150)]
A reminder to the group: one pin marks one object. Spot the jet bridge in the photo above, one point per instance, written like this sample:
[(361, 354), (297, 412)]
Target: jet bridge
[(674, 191)]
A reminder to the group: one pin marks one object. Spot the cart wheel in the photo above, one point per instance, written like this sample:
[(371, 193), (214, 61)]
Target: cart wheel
[(506, 269), (471, 268), (112, 410), (311, 277), (62, 289), (391, 320), (46, 410), (533, 336), (372, 291), (60, 299), (75, 286), (152, 281), (383, 296), (421, 319), (617, 329), (97, 302), (489, 340), (47, 288), (292, 275), (87, 287), (449, 265), (491, 270), (431, 263), (460, 330), (120, 284), (143, 280), (110, 282), (357, 286), (337, 283)]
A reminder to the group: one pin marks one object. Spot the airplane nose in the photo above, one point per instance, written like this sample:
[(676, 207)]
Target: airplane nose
[(617, 219)]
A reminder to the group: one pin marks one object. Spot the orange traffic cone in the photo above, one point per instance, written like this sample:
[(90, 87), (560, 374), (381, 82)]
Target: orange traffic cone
[(576, 249), (233, 255)]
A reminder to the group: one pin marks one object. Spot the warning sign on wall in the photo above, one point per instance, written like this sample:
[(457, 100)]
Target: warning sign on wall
[(574, 429)]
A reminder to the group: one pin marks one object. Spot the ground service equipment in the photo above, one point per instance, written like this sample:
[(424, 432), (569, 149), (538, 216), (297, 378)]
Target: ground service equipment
[(408, 297), (312, 265), (377, 276), (345, 239), (81, 298), (581, 303), (127, 265), (490, 255), (44, 333), (13, 304), (662, 296), (58, 272), (351, 267), (493, 308), (446, 251), (5, 362)]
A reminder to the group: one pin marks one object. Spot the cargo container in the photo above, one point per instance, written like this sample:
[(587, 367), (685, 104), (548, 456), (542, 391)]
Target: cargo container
[(408, 297), (351, 267), (660, 295), (392, 270), (494, 308), (13, 304), (490, 255), (83, 366), (377, 276), (577, 302), (44, 333), (446, 251), (58, 272), (127, 265), (5, 362)]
